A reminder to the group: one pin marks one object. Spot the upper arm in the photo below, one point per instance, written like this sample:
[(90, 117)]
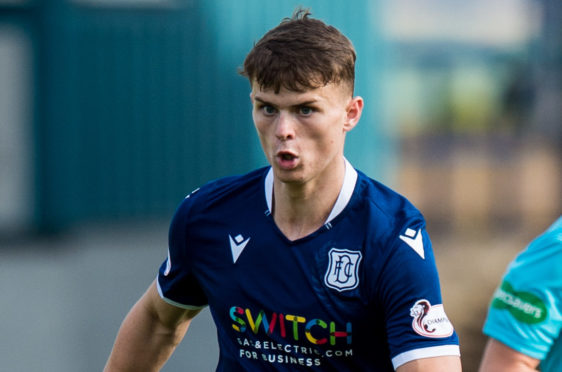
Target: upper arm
[(436, 364), (415, 319), (499, 357)]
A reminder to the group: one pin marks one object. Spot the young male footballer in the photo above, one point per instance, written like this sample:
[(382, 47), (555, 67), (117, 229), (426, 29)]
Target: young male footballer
[(306, 264)]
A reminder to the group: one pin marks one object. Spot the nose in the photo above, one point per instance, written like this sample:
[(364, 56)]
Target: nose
[(285, 126)]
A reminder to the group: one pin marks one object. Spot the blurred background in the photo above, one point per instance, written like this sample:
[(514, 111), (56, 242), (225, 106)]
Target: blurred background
[(111, 111)]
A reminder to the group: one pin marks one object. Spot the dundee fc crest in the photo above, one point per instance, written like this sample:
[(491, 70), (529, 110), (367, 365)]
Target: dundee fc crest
[(343, 269)]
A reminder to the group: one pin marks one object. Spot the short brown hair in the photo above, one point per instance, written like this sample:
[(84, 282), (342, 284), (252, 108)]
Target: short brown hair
[(301, 53)]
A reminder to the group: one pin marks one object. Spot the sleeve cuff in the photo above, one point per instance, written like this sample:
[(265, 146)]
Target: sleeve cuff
[(174, 303)]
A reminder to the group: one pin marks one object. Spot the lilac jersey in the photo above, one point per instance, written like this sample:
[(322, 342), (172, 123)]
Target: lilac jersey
[(360, 293)]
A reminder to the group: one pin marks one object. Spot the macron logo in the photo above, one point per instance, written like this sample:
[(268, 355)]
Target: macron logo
[(414, 240), (237, 245)]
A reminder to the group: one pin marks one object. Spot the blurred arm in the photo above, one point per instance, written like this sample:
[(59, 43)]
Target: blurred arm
[(499, 358), (149, 334), (436, 364)]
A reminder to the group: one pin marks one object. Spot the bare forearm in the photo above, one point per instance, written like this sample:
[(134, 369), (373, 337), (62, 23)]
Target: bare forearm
[(501, 358), (149, 334), (507, 367), (142, 344)]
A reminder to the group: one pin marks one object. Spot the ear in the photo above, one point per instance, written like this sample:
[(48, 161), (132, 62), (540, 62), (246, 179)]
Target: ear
[(353, 113)]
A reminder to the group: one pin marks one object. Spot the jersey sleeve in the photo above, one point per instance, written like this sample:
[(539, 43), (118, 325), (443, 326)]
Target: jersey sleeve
[(176, 281), (416, 323), (525, 311)]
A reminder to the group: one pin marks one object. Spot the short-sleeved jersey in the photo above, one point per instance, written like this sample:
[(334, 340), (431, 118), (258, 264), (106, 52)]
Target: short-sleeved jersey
[(526, 310), (360, 293)]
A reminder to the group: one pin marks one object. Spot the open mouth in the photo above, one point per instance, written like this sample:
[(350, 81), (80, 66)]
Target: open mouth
[(286, 156), (286, 159)]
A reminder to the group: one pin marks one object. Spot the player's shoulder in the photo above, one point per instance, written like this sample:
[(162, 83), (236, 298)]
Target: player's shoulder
[(225, 189), (552, 237), (542, 255), (387, 207)]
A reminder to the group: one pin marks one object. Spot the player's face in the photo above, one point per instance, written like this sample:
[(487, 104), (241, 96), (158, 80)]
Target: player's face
[(303, 133)]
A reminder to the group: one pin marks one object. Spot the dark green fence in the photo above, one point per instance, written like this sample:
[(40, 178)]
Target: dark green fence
[(134, 112)]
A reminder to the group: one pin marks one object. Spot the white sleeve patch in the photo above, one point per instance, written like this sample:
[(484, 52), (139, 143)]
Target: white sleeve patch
[(428, 352), (430, 320)]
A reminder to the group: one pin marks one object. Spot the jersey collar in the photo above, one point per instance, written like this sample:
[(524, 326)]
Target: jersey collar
[(349, 181)]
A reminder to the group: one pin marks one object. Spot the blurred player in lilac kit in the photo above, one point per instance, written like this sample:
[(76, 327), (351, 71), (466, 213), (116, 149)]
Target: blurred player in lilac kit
[(306, 264), (525, 318)]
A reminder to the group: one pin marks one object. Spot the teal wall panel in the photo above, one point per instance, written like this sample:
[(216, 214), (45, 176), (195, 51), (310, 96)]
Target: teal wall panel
[(139, 106), (130, 123)]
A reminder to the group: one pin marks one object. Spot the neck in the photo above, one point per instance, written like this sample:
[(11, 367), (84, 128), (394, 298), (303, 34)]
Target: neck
[(300, 209)]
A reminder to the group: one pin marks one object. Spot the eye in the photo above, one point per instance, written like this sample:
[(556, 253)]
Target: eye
[(268, 109), (306, 110)]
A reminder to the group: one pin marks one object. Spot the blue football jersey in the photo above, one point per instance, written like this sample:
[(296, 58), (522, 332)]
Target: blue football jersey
[(526, 309), (360, 293)]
